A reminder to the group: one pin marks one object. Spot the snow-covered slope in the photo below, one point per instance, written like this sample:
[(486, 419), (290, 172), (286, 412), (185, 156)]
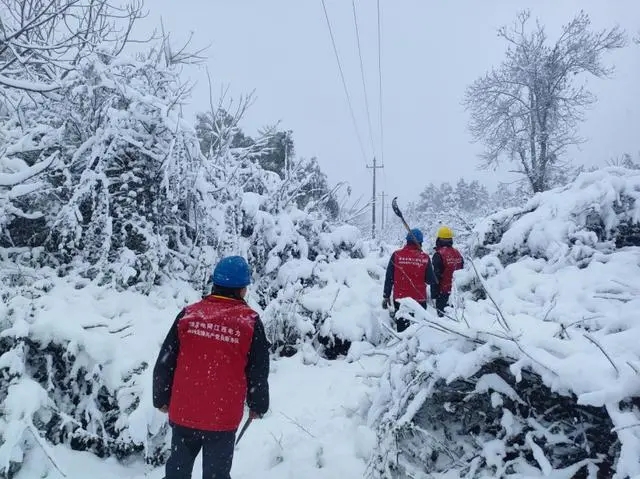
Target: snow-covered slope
[(542, 372)]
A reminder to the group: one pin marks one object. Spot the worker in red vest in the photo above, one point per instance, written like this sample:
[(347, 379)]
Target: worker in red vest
[(408, 273), (446, 260), (214, 357)]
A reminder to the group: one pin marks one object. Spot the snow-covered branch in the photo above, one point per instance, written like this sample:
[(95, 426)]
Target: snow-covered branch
[(43, 40), (13, 179)]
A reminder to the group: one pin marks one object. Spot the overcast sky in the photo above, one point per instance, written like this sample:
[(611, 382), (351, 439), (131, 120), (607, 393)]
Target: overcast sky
[(431, 51)]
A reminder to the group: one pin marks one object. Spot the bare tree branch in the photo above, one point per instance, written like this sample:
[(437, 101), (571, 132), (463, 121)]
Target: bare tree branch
[(527, 110), (41, 41)]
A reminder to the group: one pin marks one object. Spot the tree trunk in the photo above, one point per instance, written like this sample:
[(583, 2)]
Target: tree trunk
[(533, 169)]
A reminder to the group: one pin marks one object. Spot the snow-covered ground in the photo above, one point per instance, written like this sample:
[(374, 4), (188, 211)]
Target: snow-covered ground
[(314, 429)]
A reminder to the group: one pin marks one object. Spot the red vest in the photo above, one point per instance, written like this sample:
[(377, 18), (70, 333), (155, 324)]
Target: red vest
[(409, 273), (451, 261), (209, 383)]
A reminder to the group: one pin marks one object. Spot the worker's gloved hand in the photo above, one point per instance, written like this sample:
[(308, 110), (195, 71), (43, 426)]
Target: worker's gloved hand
[(255, 415), (385, 303)]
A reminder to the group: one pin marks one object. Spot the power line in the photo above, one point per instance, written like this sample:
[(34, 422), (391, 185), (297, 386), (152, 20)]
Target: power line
[(380, 85), (364, 84), (375, 166), (344, 83)]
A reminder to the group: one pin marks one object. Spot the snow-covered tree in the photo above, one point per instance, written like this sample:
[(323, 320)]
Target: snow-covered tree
[(625, 161), (98, 180), (472, 197), (281, 220), (528, 109), (458, 207), (43, 41), (280, 152), (207, 124), (506, 195), (118, 198)]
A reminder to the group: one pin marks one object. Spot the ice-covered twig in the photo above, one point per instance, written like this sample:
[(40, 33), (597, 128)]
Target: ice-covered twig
[(441, 445), (376, 352), (599, 346), (296, 423), (628, 426), (635, 369), (505, 324), (370, 374), (386, 326), (45, 449)]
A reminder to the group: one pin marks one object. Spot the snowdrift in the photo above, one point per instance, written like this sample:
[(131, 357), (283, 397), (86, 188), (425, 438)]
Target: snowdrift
[(536, 371)]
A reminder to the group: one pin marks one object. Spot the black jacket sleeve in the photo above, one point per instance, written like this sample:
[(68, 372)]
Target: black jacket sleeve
[(433, 275), (438, 269), (438, 266), (257, 371), (166, 366), (388, 279)]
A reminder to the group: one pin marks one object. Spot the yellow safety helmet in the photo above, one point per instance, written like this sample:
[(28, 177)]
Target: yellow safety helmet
[(445, 233)]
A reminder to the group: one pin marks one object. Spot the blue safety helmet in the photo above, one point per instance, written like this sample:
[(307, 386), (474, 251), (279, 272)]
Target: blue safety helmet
[(415, 234), (232, 272)]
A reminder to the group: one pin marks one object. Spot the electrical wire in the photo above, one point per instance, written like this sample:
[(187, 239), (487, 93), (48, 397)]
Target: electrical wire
[(364, 83), (344, 83), (380, 84)]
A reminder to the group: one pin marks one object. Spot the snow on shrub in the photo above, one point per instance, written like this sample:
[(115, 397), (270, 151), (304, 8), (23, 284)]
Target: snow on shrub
[(74, 363), (599, 208), (538, 375), (317, 282)]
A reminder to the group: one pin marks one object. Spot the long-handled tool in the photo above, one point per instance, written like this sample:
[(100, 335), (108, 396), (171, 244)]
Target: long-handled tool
[(244, 429), (396, 210)]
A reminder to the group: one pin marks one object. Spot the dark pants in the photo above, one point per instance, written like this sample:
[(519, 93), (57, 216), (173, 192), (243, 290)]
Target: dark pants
[(404, 323), (442, 300), (186, 443)]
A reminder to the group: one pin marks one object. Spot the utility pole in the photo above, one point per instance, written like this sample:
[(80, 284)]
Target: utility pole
[(373, 198), (286, 156), (382, 195), (386, 209)]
